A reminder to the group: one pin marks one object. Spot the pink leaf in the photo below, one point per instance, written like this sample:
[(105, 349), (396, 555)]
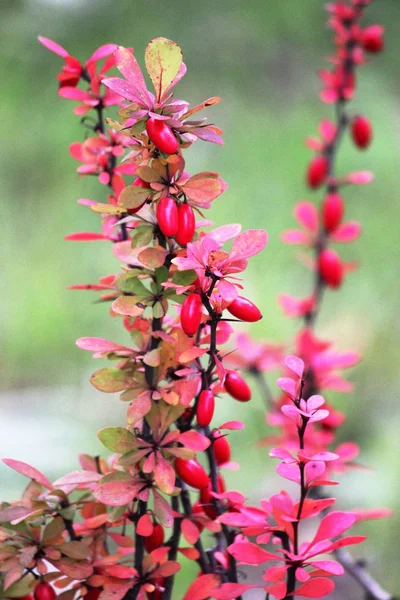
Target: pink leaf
[(102, 52), (53, 47), (346, 232), (194, 440), (115, 493), (287, 385), (28, 471), (295, 364), (330, 566), (138, 408), (130, 69), (190, 531), (333, 525), (232, 425), (295, 236), (94, 344), (77, 478), (164, 475), (249, 553), (72, 93), (307, 215), (360, 177), (290, 472), (248, 244)]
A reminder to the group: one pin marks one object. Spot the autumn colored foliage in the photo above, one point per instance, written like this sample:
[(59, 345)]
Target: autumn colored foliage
[(118, 527)]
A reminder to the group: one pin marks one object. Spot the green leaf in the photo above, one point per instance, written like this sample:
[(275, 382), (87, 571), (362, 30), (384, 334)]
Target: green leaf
[(142, 236), (161, 275), (75, 549), (116, 439), (110, 380), (116, 513), (53, 530), (130, 284), (158, 310), (68, 513), (138, 127), (184, 277), (163, 60), (132, 197), (147, 174)]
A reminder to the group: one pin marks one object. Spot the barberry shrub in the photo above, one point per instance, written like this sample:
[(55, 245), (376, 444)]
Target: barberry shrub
[(118, 527)]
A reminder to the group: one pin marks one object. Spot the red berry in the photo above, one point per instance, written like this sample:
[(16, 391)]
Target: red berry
[(191, 472), (142, 184), (372, 38), (205, 408), (93, 593), (162, 136), (331, 268), (186, 224), (237, 387), (243, 309), (332, 211), (156, 539), (361, 132), (191, 314), (222, 450), (317, 171), (167, 216), (44, 591)]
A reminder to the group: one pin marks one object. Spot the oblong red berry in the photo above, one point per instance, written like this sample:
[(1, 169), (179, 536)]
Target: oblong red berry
[(191, 472), (44, 591), (205, 408), (167, 216), (93, 593), (243, 309), (331, 268), (361, 132), (162, 136), (222, 450), (236, 387), (191, 314), (372, 38), (156, 539), (186, 224), (332, 211), (317, 171)]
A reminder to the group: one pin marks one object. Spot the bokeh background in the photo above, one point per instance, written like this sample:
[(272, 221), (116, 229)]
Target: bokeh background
[(261, 58)]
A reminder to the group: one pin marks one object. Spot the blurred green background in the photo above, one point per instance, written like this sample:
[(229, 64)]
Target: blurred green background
[(261, 58)]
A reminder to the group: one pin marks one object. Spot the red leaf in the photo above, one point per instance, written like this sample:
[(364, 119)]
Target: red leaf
[(315, 588), (229, 591), (202, 587)]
